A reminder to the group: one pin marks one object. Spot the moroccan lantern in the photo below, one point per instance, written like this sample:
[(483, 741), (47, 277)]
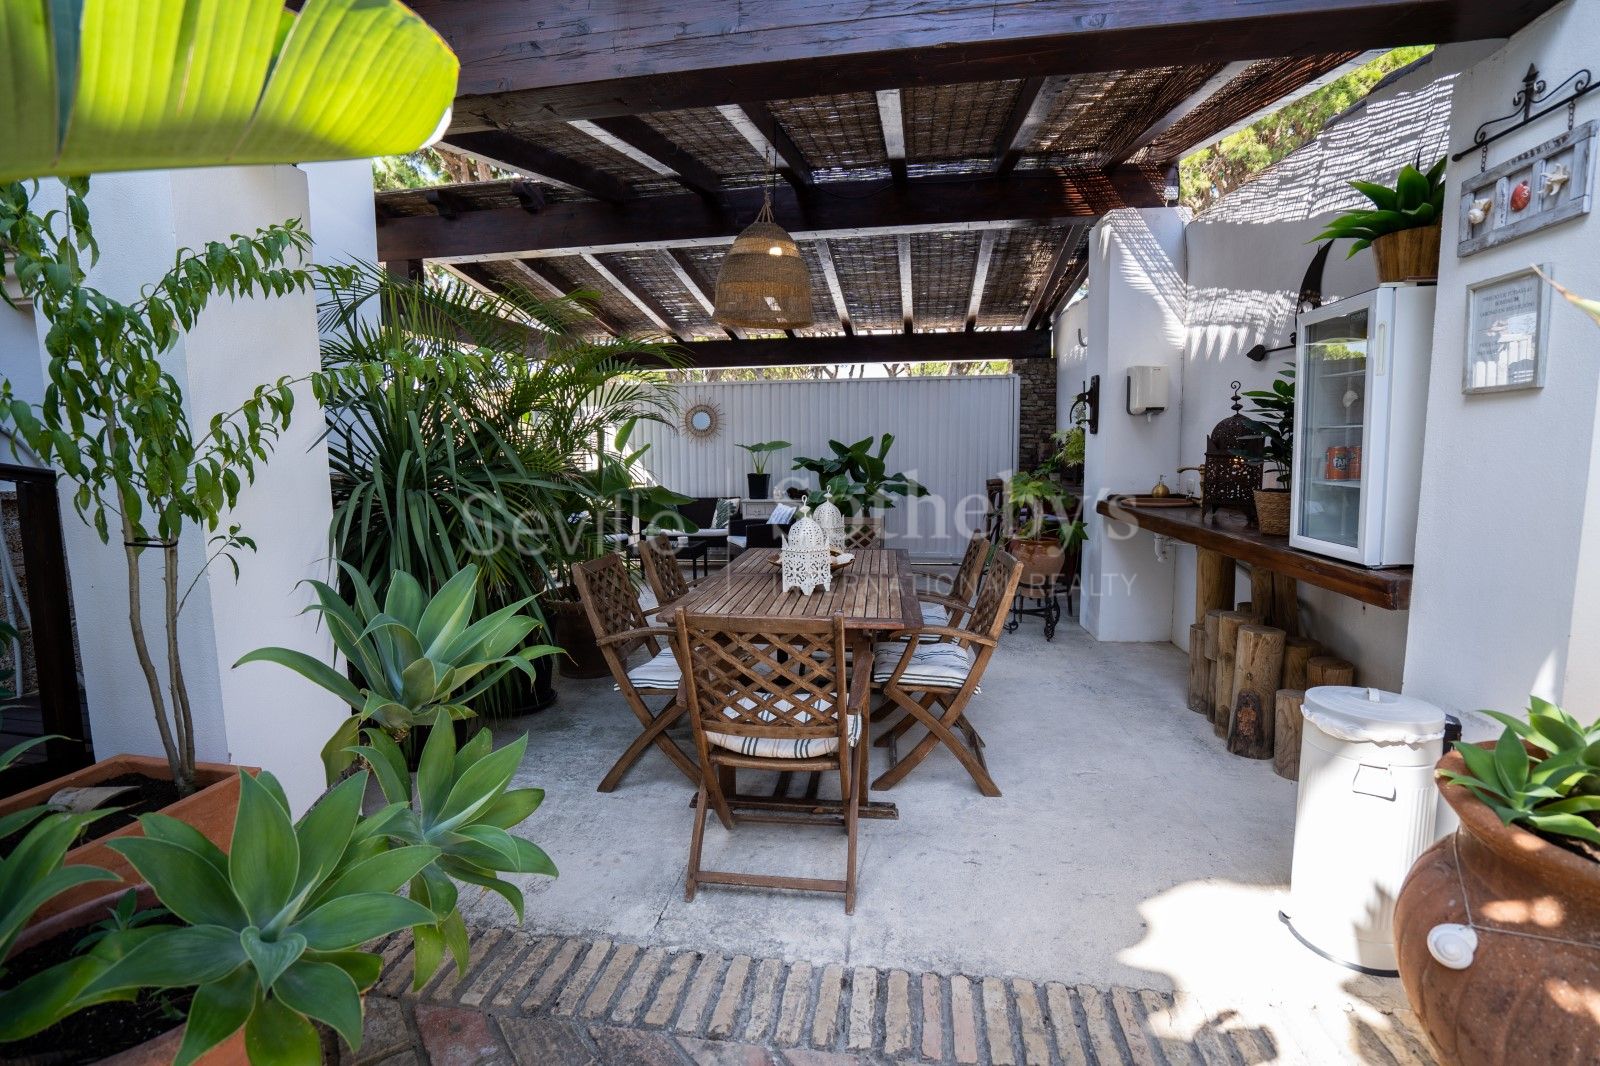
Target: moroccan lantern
[(1233, 462), (764, 283), (832, 522), (805, 558)]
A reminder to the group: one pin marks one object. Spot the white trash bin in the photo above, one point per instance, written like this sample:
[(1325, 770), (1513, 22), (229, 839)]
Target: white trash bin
[(1366, 811)]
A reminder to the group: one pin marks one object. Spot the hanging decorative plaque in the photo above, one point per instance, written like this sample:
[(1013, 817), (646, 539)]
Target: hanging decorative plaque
[(1547, 184)]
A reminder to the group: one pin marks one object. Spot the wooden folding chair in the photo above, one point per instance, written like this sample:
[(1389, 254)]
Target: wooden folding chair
[(862, 534), (951, 609), (661, 570), (774, 695), (933, 682), (620, 627)]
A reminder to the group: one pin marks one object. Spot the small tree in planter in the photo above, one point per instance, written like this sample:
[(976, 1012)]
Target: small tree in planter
[(114, 420), (1272, 411)]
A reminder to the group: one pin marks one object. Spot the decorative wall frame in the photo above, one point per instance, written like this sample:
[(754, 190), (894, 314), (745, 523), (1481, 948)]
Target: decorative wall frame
[(702, 420), (1549, 183), (1507, 334)]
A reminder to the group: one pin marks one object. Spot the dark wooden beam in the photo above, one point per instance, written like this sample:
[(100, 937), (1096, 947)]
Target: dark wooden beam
[(541, 278), (406, 269), (1059, 265), (510, 152), (596, 58), (1209, 88), (637, 297), (791, 160), (830, 273), (851, 209), (980, 277), (907, 308), (1032, 105), (1076, 276), (894, 131), (683, 270), (646, 139), (868, 348)]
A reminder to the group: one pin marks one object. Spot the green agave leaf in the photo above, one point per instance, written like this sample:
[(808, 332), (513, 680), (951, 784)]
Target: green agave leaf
[(363, 967), (482, 782), (512, 808), (276, 1035), (337, 752), (264, 862), (386, 759), (433, 768), (1411, 188), (1567, 825), (325, 992), (1381, 195), (175, 957), (271, 957), (1511, 761), (446, 614), (324, 832), (349, 921), (383, 872), (218, 1010), (309, 667), (184, 881), (104, 85), (177, 831)]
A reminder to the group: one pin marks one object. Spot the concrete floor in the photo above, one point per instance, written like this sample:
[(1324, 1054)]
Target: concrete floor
[(1129, 848)]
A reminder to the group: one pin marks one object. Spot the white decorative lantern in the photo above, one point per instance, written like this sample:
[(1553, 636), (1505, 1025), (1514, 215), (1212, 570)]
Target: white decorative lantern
[(832, 523), (805, 558)]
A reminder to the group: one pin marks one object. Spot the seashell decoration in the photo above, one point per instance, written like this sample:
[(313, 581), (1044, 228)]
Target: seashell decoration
[(1479, 211), (832, 522), (1554, 179), (805, 558), (1521, 195), (1453, 945)]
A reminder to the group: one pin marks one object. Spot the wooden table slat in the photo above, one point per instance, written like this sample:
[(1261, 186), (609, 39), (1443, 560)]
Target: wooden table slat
[(876, 592)]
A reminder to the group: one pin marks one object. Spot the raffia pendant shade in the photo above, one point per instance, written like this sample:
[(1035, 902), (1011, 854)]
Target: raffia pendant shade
[(764, 283)]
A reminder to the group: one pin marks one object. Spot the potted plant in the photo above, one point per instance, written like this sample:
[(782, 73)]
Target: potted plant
[(258, 955), (416, 656), (867, 482), (759, 482), (1402, 226), (1042, 547), (1065, 464), (1272, 411), (1496, 926), (115, 422)]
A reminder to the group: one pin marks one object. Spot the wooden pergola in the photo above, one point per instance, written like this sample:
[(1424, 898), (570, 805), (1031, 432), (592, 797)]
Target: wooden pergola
[(940, 163)]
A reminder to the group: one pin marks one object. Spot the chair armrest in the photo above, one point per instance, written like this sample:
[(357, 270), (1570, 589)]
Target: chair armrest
[(949, 602), (966, 636), (861, 680), (634, 634)]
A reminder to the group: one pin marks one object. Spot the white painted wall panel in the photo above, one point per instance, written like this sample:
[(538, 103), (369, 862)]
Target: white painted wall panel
[(950, 434)]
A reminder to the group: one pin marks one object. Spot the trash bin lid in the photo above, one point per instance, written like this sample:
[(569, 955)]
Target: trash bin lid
[(1373, 715)]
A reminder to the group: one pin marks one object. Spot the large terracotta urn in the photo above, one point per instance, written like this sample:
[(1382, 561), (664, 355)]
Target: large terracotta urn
[(1520, 999)]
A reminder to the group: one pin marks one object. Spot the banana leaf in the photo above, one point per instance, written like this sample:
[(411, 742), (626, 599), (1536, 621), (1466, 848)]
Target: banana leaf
[(105, 85)]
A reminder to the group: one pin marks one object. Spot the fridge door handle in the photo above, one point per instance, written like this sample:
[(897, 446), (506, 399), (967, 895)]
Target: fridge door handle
[(1380, 364)]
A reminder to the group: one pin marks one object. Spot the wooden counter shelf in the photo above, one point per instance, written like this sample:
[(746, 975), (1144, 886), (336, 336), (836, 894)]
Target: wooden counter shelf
[(1226, 535)]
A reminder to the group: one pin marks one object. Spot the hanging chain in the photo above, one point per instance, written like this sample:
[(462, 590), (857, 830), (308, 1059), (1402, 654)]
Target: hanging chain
[(1572, 110), (1483, 159)]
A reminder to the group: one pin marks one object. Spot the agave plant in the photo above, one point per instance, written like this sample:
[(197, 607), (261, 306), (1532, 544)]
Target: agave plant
[(1556, 793), (418, 657), (464, 811), (1416, 200)]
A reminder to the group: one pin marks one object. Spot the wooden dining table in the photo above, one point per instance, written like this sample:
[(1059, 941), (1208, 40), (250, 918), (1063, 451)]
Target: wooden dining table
[(875, 594)]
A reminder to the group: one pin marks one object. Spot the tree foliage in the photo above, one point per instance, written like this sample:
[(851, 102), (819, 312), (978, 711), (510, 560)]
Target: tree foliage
[(1211, 173)]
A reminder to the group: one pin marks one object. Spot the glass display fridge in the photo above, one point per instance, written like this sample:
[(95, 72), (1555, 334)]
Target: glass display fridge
[(1361, 393)]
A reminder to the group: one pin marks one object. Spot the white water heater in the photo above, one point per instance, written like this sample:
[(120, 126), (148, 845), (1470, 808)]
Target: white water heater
[(1147, 390)]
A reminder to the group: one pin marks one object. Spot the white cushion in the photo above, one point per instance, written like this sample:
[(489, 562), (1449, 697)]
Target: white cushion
[(660, 672), (943, 665), (779, 747), (738, 540), (935, 614)]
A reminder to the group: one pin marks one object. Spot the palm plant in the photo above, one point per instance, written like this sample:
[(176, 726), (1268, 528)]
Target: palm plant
[(484, 443)]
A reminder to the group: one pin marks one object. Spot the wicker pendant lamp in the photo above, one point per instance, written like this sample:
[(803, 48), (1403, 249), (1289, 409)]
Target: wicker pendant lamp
[(764, 283)]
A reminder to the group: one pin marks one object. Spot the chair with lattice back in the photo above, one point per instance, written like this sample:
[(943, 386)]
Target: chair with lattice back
[(777, 696), (934, 682), (862, 534), (951, 608), (661, 570), (621, 630)]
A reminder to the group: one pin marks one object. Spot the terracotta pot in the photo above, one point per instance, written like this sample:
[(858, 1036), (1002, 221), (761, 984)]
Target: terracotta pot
[(210, 809), (1041, 558), (1520, 1000), (1408, 253), (1272, 512), (570, 628)]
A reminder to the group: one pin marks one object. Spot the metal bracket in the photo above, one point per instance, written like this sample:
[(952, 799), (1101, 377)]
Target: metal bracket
[(1531, 95)]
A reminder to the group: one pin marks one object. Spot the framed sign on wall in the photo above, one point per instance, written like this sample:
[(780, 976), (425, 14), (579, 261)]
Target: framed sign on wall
[(1506, 332)]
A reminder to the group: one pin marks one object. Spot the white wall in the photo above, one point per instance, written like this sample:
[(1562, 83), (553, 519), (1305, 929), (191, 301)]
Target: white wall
[(260, 715), (1136, 311), (1508, 572), (950, 435)]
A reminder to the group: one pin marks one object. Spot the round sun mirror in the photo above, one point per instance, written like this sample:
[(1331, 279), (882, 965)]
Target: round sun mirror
[(702, 421)]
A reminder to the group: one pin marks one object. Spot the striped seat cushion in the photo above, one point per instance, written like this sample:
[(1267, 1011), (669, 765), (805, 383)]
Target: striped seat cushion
[(935, 614), (944, 665), (660, 672), (779, 747)]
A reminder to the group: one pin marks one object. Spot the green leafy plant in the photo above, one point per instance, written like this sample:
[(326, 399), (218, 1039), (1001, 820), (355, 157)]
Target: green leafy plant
[(418, 657), (761, 453), (1416, 200), (1031, 497), (464, 810), (867, 479), (117, 423), (1272, 411), (1553, 789), (102, 85)]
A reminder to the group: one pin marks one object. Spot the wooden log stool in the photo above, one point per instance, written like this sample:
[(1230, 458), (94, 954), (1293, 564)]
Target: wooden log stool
[(1297, 652), (1289, 721), (1228, 623), (1199, 670), (1258, 667), (1329, 670)]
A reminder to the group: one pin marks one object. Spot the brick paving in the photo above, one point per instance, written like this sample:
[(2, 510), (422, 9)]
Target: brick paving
[(530, 1000)]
